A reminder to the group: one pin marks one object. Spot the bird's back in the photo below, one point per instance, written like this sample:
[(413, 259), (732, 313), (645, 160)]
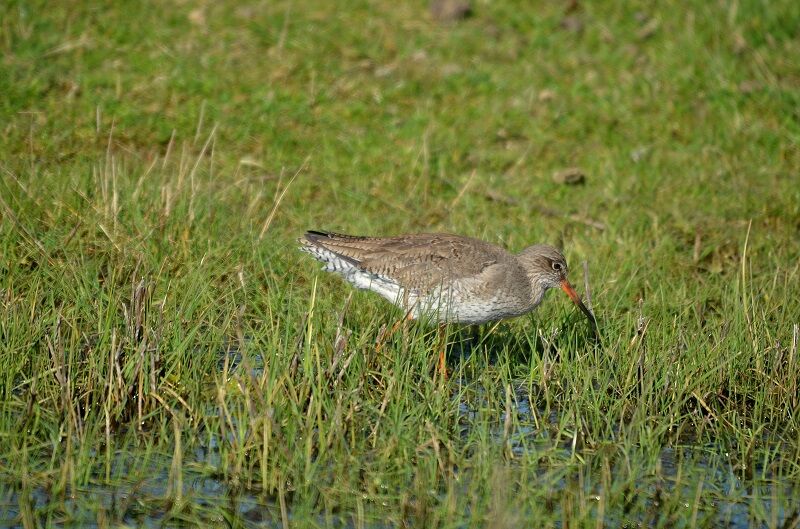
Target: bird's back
[(471, 280)]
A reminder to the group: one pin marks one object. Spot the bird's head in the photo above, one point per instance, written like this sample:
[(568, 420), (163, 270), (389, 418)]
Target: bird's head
[(547, 268)]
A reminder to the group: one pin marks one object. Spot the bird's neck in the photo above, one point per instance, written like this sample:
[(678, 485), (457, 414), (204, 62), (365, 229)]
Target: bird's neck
[(537, 292)]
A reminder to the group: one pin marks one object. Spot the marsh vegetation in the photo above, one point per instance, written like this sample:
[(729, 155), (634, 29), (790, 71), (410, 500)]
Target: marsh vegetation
[(168, 358)]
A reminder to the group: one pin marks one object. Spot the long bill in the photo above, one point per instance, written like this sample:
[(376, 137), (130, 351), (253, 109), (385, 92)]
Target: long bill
[(566, 287)]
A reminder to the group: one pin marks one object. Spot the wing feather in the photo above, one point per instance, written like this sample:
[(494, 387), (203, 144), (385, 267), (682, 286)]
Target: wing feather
[(418, 261)]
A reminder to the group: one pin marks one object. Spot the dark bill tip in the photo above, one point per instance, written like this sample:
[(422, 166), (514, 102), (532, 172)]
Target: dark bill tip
[(566, 287)]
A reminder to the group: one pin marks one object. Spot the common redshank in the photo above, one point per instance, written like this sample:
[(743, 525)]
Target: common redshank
[(447, 278)]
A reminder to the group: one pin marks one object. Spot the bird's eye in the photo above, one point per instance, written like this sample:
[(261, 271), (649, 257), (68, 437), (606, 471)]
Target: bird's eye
[(558, 267)]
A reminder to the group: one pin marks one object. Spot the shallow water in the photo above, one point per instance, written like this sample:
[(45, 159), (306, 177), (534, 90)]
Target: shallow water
[(143, 503), (728, 500)]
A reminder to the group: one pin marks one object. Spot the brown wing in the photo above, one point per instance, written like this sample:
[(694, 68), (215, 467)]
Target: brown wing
[(420, 261)]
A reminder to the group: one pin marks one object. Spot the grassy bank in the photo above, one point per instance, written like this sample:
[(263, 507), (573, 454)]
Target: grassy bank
[(168, 357)]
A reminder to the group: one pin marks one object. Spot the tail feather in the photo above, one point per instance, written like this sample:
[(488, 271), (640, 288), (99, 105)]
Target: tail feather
[(317, 235), (313, 242)]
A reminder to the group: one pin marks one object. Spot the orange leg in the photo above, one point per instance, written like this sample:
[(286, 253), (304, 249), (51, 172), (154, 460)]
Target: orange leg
[(385, 336), (442, 364)]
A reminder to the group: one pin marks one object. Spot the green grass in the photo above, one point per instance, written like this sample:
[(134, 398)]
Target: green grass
[(168, 357)]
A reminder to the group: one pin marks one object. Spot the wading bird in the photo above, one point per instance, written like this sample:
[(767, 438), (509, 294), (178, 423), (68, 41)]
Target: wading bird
[(447, 278)]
